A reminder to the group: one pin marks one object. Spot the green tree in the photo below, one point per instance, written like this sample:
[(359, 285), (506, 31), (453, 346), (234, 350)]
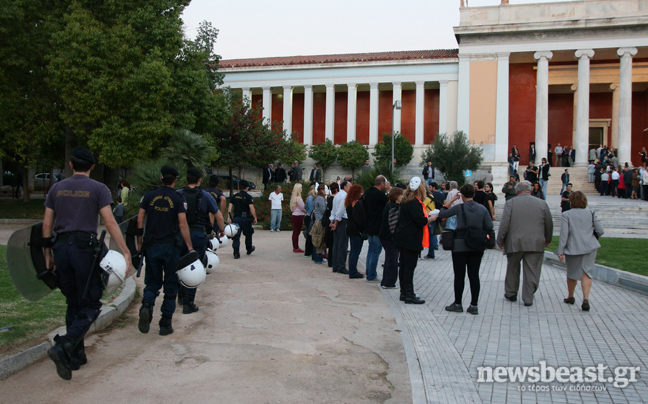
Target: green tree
[(324, 154), (352, 155), (454, 154), (127, 77), (403, 149), (291, 150), (31, 130)]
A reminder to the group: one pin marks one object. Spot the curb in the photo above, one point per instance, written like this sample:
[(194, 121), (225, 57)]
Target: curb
[(617, 277), (26, 222), (15, 363)]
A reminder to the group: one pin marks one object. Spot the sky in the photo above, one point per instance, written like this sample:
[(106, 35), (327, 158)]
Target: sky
[(264, 28)]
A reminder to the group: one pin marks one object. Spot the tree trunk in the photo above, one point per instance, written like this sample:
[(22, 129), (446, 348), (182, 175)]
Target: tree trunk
[(70, 144), (231, 182)]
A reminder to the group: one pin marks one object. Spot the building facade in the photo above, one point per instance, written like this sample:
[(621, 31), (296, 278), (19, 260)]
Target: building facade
[(574, 73)]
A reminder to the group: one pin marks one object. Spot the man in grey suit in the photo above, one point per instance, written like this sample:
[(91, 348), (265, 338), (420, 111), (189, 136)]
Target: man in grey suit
[(525, 230)]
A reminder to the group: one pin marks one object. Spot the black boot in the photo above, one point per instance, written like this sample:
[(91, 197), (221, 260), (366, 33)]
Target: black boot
[(60, 355), (411, 298), (165, 326), (237, 255), (145, 317), (189, 307), (80, 353), (402, 294)]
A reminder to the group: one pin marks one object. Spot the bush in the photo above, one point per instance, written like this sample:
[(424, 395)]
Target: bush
[(262, 205), (366, 177), (324, 154), (453, 155), (352, 155), (403, 149)]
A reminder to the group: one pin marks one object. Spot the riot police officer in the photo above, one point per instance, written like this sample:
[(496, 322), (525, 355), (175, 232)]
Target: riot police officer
[(244, 214), (71, 211), (165, 214), (216, 193), (201, 214)]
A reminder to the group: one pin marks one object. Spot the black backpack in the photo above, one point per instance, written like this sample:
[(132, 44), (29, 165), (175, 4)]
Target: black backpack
[(193, 196)]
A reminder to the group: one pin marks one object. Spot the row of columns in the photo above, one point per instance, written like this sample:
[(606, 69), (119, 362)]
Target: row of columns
[(352, 109), (623, 117)]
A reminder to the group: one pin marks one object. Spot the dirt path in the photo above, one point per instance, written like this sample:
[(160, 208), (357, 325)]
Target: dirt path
[(272, 328)]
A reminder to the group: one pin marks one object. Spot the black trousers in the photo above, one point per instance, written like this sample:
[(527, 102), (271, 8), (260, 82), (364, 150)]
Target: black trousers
[(470, 261), (407, 264), (390, 269)]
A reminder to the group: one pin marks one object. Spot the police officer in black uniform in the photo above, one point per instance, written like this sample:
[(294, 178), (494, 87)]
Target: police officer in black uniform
[(216, 193), (165, 214), (71, 211), (242, 207), (202, 212)]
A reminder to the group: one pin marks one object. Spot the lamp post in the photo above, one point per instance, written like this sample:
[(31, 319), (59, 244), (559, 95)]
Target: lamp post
[(397, 105)]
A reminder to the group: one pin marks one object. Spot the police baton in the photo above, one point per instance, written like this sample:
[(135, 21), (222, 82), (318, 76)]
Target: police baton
[(139, 264), (95, 261)]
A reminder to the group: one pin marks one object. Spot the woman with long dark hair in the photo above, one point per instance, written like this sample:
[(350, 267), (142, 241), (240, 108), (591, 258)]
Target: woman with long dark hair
[(390, 268), (355, 228)]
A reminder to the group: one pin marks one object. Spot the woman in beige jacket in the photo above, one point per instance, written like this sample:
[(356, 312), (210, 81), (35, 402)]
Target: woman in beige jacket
[(579, 233)]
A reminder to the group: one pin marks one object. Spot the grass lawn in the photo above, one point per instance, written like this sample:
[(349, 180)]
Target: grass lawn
[(17, 209), (30, 321), (628, 254)]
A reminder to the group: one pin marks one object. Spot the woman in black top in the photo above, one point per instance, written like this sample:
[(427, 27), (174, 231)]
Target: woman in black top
[(390, 268), (463, 256), (355, 228), (409, 237)]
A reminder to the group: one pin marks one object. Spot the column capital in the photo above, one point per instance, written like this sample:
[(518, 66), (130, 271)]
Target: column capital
[(330, 86), (352, 85), (621, 52), (288, 87), (574, 87), (503, 55), (308, 86), (584, 53), (396, 83), (422, 82), (543, 54), (266, 88), (614, 86)]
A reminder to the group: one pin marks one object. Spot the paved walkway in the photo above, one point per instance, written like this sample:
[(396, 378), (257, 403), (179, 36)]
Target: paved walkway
[(451, 346)]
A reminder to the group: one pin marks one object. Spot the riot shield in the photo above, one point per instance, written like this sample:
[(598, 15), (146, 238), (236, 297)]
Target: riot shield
[(27, 263), (128, 228)]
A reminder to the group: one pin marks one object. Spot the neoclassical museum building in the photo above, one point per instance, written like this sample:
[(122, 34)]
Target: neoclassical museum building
[(573, 72)]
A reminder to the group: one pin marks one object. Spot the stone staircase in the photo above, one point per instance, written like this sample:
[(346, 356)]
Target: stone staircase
[(620, 217), (577, 176)]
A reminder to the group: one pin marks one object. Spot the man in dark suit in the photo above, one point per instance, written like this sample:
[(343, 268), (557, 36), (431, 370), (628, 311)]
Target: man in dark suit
[(315, 175), (280, 174), (295, 172), (268, 174), (525, 230)]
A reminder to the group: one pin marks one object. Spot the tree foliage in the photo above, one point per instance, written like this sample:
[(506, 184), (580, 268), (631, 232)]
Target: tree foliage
[(352, 155), (403, 149), (366, 177), (324, 154), (127, 77), (454, 154), (246, 140)]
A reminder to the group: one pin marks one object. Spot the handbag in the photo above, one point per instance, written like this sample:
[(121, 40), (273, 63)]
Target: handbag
[(447, 239), (437, 228), (594, 228), (475, 238)]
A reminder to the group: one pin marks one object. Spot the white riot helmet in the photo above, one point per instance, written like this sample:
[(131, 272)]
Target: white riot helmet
[(215, 244), (231, 230), (114, 265), (212, 262), (190, 270), (223, 241)]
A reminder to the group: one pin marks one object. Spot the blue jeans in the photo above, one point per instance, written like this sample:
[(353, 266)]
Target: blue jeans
[(161, 261), (563, 188), (543, 184), (275, 219), (435, 242), (356, 247), (372, 257), (318, 258)]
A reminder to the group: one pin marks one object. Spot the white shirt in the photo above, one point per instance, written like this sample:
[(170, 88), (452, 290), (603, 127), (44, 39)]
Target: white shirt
[(644, 176), (276, 199), (615, 175), (558, 150), (338, 212), (451, 195)]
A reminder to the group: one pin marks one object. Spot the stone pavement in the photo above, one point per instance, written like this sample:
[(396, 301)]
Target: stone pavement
[(449, 347)]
